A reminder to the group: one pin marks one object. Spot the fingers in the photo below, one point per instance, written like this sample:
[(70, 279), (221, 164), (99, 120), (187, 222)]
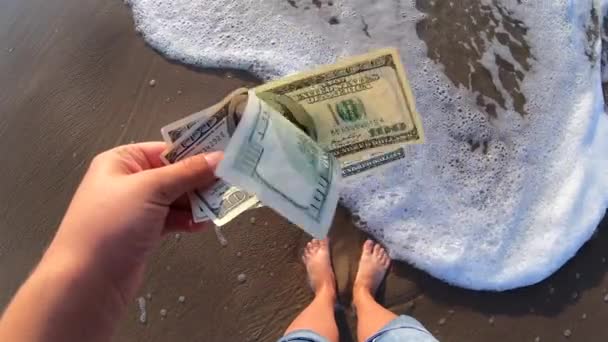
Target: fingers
[(181, 221), (152, 151), (132, 158), (172, 181), (182, 203)]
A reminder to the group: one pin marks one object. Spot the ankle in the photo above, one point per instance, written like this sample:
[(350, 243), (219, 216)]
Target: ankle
[(361, 293), (326, 290)]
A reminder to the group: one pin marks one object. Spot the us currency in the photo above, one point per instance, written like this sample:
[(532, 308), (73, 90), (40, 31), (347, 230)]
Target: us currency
[(271, 157), (173, 131), (206, 131), (360, 109)]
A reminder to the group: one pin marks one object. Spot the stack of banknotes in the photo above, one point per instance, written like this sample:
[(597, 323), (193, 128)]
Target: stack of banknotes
[(288, 143)]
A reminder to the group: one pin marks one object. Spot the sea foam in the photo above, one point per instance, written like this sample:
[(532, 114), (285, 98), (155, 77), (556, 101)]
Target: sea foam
[(513, 178)]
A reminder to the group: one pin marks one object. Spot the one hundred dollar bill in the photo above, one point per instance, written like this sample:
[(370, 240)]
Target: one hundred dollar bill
[(173, 131), (298, 136), (360, 109), (284, 167), (210, 130)]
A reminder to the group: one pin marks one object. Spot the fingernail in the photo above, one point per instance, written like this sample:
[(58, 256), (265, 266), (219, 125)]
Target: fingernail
[(214, 158)]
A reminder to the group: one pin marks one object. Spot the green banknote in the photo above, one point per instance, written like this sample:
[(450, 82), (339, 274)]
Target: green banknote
[(175, 130), (298, 136), (283, 166), (360, 109), (207, 131)]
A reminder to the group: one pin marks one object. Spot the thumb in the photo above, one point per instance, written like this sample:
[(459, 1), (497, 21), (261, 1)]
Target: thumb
[(172, 181)]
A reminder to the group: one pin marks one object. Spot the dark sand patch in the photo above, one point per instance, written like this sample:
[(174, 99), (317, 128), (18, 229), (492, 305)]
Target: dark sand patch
[(453, 30), (75, 82)]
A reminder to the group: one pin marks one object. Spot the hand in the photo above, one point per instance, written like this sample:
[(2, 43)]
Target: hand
[(125, 204)]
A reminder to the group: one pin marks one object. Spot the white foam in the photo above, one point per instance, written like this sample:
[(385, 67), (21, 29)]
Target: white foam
[(499, 220), (143, 314)]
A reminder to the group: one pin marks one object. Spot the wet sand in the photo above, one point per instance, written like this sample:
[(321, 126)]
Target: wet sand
[(75, 82)]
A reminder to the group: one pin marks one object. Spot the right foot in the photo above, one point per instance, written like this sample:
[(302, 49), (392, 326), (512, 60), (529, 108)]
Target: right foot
[(318, 266), (372, 268)]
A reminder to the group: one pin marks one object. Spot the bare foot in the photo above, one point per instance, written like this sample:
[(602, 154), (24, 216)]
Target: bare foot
[(372, 267), (318, 265)]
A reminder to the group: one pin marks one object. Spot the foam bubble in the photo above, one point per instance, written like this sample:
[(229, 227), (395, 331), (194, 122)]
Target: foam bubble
[(513, 178)]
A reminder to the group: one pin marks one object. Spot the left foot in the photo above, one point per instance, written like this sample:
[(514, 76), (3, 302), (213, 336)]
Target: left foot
[(318, 266)]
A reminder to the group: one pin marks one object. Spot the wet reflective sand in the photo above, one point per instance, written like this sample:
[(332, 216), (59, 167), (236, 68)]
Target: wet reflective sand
[(75, 82)]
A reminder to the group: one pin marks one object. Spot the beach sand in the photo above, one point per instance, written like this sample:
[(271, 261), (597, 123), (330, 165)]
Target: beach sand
[(75, 81)]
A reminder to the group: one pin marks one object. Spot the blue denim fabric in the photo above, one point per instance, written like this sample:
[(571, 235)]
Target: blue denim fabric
[(401, 329)]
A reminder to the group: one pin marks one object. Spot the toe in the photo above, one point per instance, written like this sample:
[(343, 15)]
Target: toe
[(383, 253), (308, 248), (384, 260), (316, 245), (377, 250), (306, 253), (368, 247), (324, 243)]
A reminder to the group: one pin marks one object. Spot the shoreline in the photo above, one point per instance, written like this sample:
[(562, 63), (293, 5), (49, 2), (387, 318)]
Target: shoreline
[(77, 76)]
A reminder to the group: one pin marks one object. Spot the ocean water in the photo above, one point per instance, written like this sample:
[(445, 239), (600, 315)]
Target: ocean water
[(513, 178)]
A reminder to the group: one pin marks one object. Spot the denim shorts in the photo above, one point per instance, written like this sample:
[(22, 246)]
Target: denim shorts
[(401, 329)]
